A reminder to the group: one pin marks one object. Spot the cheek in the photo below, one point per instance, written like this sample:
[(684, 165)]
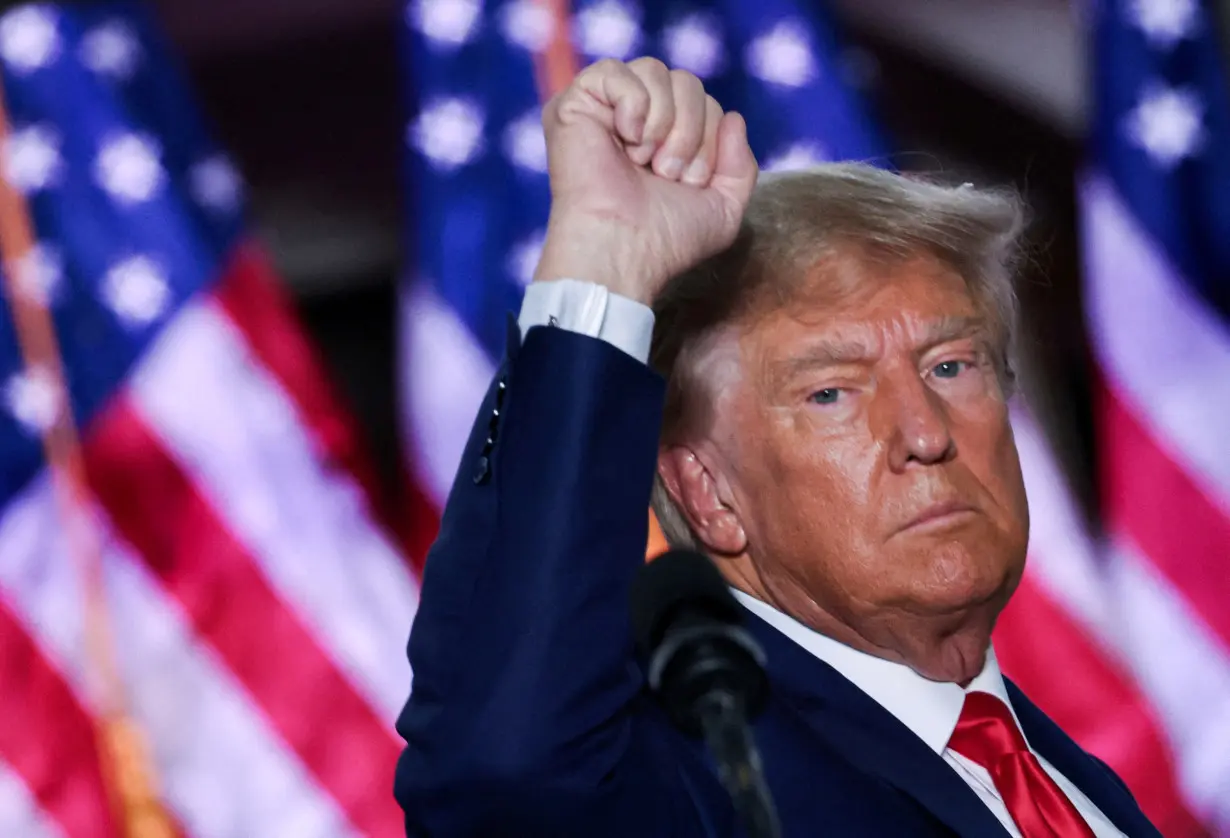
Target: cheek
[(990, 432), (813, 484), (840, 457), (1009, 483), (989, 450)]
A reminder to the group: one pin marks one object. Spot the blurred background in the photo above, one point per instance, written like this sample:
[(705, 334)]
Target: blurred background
[(257, 257)]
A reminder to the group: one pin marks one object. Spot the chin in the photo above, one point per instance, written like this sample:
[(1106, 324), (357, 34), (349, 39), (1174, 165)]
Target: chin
[(959, 598), (950, 643), (962, 579), (957, 658)]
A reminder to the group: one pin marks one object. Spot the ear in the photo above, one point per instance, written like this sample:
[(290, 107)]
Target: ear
[(695, 490)]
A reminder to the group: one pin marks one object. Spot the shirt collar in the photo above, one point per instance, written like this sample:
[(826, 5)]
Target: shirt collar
[(929, 708)]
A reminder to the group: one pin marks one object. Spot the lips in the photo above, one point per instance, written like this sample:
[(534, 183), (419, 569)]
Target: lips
[(939, 514)]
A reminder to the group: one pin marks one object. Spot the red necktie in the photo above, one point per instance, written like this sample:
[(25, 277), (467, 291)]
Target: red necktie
[(987, 734)]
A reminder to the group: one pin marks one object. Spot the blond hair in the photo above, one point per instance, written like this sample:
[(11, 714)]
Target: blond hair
[(797, 219)]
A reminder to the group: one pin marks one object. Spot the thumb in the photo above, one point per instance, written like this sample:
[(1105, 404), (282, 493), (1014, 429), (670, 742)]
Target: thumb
[(735, 172)]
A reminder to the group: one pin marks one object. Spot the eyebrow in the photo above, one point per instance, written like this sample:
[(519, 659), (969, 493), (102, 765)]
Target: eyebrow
[(826, 352)]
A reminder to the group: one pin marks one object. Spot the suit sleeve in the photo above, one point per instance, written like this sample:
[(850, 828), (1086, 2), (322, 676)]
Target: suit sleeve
[(522, 717)]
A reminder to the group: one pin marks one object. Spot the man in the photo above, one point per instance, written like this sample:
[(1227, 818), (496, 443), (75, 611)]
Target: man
[(827, 421)]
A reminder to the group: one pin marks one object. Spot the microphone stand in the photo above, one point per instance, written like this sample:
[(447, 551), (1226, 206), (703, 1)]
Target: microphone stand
[(729, 738), (708, 673)]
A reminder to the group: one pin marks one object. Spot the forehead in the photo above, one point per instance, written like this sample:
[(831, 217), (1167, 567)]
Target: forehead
[(865, 302)]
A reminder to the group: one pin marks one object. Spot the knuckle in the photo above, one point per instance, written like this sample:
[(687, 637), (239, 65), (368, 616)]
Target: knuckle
[(550, 116), (602, 68), (606, 65), (650, 64), (686, 80)]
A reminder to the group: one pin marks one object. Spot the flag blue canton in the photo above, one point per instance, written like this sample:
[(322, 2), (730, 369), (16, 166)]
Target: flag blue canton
[(1160, 130), (477, 161), (133, 206)]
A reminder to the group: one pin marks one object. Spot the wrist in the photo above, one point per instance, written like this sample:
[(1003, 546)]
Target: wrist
[(587, 252)]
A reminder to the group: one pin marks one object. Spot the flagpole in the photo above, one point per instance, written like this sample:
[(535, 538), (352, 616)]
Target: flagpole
[(556, 63), (554, 67), (125, 765)]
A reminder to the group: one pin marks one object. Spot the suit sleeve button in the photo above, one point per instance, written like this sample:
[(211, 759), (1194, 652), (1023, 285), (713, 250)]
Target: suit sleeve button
[(482, 471)]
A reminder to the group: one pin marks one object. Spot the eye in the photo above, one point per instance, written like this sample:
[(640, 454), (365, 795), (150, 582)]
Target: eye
[(949, 369), (826, 396)]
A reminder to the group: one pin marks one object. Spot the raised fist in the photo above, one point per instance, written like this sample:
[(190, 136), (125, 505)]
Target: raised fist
[(648, 177)]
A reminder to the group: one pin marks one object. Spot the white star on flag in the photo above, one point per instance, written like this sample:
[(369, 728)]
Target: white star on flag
[(797, 156), (34, 399), (524, 258), (445, 22), (607, 29), (136, 290), (111, 49), (215, 184), (782, 56), (127, 166), (32, 158), (28, 38), (694, 44), (39, 274), (1167, 124), (524, 142), (1164, 22), (449, 133), (527, 23)]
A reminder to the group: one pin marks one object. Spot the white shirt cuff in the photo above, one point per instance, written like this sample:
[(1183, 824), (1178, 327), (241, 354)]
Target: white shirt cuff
[(589, 309)]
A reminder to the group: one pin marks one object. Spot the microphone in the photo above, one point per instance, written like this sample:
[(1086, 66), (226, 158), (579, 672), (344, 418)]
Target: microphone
[(707, 672)]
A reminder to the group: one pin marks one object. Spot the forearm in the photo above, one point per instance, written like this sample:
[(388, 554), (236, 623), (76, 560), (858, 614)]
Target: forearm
[(521, 649), (573, 472)]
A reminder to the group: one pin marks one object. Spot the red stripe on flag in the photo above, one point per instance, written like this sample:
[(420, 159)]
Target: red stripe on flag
[(1070, 677), (48, 738), (419, 523), (154, 506), (254, 300), (1156, 503)]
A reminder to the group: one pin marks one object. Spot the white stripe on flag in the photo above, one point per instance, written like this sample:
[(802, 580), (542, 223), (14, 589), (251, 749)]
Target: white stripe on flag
[(1136, 617), (1058, 547), (20, 815), (236, 434), (1160, 345), (445, 374), (1185, 673), (224, 773)]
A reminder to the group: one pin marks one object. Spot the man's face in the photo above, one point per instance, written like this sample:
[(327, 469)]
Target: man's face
[(869, 459)]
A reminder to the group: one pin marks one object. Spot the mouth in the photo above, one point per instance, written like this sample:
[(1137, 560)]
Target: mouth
[(940, 515)]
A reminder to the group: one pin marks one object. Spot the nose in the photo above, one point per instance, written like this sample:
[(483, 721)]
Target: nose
[(913, 423)]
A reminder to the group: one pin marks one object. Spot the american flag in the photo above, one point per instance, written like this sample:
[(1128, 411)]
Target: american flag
[(1127, 653), (1155, 202), (1130, 632), (257, 607)]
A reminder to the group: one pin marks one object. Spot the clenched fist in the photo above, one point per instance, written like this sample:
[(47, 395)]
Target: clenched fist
[(648, 177)]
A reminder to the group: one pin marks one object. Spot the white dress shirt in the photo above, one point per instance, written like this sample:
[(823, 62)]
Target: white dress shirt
[(929, 708)]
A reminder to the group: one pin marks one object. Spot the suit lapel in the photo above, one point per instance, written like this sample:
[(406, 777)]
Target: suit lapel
[(870, 737), (876, 742), (1093, 778)]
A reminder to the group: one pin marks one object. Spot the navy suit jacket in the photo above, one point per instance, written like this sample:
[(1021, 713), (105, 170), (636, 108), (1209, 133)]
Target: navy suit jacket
[(528, 715)]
